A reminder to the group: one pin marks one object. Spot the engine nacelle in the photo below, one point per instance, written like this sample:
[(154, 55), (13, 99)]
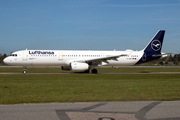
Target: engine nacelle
[(76, 66)]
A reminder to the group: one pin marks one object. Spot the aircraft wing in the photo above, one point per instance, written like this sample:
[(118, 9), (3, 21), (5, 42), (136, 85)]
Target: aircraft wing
[(96, 61)]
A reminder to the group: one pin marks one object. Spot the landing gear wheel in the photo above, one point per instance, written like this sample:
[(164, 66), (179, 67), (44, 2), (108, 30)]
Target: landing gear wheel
[(24, 71), (94, 71)]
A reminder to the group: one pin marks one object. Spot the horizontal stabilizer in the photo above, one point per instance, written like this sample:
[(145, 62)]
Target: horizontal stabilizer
[(163, 54)]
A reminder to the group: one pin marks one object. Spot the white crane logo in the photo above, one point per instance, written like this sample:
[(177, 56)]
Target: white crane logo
[(156, 45)]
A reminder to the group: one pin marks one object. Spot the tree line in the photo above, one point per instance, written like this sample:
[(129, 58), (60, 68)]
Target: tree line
[(2, 56), (171, 60), (174, 59)]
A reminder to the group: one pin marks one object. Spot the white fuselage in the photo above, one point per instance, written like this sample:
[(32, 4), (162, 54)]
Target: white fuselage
[(86, 60), (65, 57)]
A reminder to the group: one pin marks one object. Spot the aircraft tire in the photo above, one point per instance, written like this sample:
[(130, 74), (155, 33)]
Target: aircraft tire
[(24, 72), (94, 71)]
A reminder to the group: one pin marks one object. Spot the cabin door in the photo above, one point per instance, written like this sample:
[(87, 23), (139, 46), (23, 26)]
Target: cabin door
[(60, 56), (25, 55)]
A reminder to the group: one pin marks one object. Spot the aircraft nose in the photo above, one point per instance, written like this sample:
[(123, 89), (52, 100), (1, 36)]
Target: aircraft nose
[(6, 60)]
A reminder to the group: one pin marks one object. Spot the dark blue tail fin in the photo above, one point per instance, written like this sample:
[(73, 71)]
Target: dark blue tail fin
[(155, 44), (153, 49)]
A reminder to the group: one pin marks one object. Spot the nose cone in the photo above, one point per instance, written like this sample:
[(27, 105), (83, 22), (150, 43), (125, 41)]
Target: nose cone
[(6, 60)]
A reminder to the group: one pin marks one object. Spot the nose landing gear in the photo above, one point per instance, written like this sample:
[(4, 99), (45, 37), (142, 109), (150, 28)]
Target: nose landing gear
[(24, 71)]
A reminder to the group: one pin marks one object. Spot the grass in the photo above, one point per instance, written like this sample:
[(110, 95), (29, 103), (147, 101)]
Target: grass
[(42, 88), (140, 69)]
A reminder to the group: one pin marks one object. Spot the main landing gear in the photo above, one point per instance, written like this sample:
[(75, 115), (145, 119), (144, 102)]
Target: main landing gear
[(93, 71)]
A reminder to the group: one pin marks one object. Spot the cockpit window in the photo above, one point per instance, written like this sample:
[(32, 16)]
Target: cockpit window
[(14, 55)]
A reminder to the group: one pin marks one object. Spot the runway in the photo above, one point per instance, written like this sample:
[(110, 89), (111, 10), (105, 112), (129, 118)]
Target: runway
[(137, 110), (6, 73)]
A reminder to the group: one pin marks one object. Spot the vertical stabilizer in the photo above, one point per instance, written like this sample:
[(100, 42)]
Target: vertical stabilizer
[(153, 48), (155, 44)]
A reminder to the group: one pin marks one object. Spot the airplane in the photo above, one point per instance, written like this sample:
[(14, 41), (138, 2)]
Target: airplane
[(80, 60)]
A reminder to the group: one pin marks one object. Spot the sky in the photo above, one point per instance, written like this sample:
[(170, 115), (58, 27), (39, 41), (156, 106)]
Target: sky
[(87, 24)]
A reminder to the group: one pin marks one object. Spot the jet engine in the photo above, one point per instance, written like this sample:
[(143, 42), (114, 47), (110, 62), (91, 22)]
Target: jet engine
[(79, 66), (76, 66)]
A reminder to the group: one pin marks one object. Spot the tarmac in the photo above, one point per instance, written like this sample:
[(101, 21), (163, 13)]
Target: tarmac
[(134, 110), (9, 73)]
